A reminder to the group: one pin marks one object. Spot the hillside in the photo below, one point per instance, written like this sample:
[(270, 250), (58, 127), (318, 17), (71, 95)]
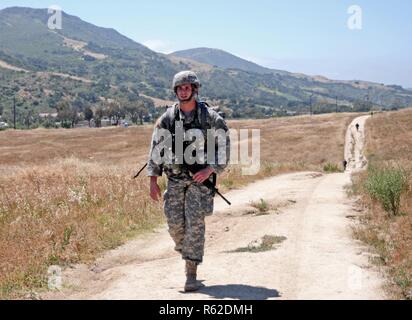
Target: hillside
[(87, 65), (80, 49), (293, 89)]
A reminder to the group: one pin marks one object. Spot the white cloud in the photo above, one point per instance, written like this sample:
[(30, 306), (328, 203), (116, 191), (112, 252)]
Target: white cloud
[(159, 46)]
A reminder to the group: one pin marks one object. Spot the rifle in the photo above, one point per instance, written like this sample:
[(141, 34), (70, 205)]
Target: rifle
[(193, 170), (140, 171)]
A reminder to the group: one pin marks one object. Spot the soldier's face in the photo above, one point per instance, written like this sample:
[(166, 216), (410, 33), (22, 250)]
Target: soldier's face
[(184, 92)]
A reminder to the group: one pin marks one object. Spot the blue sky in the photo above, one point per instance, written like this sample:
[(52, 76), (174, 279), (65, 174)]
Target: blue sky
[(310, 37)]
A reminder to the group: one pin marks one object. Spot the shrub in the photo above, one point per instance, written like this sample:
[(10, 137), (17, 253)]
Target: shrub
[(262, 206), (386, 185), (331, 168)]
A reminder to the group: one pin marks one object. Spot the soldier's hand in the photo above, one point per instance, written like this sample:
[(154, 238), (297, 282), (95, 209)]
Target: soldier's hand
[(203, 175), (155, 192)]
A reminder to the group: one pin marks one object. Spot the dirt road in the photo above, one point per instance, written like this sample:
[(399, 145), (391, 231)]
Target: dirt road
[(315, 257)]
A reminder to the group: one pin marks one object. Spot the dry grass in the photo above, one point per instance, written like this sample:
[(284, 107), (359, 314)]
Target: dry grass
[(304, 141), (389, 143), (66, 212), (293, 144), (67, 195), (103, 146)]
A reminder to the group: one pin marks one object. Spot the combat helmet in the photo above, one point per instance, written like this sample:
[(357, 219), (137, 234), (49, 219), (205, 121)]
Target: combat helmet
[(186, 77)]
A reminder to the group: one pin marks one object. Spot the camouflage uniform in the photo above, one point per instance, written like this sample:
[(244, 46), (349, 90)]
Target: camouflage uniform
[(186, 202)]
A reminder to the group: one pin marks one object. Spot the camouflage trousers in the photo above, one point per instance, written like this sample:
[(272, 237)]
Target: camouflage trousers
[(186, 204)]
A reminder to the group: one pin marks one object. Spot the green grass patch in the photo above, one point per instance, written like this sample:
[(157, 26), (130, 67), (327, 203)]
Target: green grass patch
[(386, 185), (263, 206), (267, 243), (331, 168)]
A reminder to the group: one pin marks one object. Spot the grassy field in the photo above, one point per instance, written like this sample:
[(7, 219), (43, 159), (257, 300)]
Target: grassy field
[(385, 191), (67, 195)]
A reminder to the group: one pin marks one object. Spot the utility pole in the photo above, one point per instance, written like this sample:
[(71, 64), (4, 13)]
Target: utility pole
[(311, 103), (14, 111), (336, 104)]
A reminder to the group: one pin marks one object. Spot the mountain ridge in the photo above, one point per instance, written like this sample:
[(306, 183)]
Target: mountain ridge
[(222, 59), (212, 55), (121, 68)]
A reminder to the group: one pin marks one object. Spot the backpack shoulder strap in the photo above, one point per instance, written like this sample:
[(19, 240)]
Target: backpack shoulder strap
[(172, 114), (204, 115)]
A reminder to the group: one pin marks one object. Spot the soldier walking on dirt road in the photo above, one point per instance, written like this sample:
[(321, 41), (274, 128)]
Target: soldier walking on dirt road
[(187, 201)]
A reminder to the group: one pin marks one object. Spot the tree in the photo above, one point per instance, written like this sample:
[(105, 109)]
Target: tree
[(99, 113), (115, 112), (137, 111), (362, 106), (103, 86), (78, 104), (67, 114), (396, 103), (88, 114), (28, 117)]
